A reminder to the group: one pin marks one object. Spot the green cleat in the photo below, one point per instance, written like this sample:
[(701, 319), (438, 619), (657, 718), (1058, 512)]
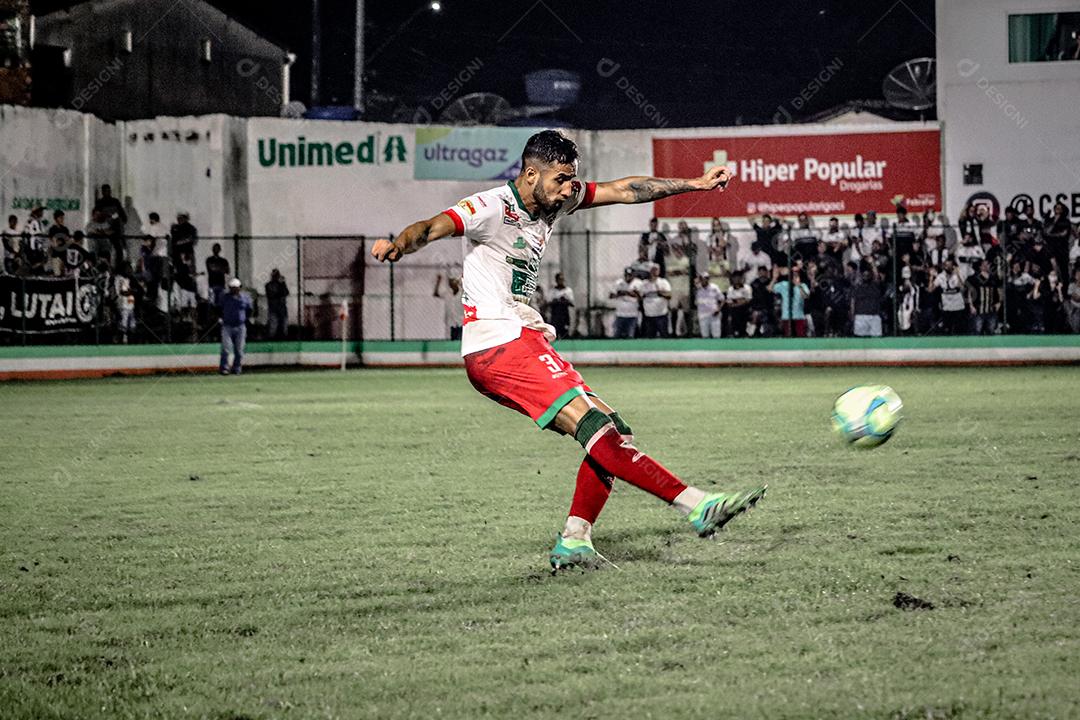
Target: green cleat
[(717, 509), (569, 552)]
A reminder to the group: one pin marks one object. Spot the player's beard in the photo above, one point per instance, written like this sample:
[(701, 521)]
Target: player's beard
[(547, 206)]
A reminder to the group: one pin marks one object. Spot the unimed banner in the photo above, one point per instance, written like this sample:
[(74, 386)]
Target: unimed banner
[(837, 174), (46, 305)]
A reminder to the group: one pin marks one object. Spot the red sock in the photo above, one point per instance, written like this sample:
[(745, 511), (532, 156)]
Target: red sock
[(592, 490), (625, 461)]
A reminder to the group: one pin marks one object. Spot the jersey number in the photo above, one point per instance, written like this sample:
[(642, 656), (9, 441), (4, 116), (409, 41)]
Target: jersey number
[(552, 363)]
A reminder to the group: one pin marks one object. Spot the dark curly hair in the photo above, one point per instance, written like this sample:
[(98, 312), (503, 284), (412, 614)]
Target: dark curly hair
[(550, 147)]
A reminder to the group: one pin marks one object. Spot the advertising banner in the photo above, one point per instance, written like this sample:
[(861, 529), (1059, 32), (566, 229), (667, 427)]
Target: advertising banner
[(46, 305), (835, 174), (469, 153)]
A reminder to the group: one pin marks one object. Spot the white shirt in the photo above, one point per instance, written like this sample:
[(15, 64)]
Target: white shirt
[(743, 293), (157, 231), (869, 234), (966, 258), (755, 260), (503, 245), (566, 293), (626, 305), (836, 236), (708, 299), (652, 302), (952, 291)]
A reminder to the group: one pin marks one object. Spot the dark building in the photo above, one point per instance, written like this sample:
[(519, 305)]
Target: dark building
[(129, 59), (16, 33)]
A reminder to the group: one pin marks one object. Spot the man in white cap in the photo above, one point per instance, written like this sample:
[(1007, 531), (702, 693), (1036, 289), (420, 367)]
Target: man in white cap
[(235, 308)]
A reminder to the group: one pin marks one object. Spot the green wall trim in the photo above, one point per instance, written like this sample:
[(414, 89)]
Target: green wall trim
[(568, 346)]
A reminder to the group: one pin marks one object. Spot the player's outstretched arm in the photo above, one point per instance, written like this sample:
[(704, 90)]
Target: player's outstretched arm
[(413, 238), (630, 190)]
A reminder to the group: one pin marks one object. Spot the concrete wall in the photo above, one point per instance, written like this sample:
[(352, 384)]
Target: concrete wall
[(1018, 119)]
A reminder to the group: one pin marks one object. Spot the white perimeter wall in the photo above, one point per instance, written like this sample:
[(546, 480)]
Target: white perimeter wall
[(1020, 120)]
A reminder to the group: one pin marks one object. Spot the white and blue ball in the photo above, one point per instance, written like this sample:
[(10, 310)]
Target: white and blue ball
[(866, 416)]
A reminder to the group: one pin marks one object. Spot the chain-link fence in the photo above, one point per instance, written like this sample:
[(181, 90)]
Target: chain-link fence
[(881, 280)]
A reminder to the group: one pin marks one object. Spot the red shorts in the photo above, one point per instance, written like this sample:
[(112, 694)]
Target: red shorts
[(526, 375)]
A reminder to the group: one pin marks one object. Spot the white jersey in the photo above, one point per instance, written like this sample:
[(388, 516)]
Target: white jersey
[(503, 248), (708, 299)]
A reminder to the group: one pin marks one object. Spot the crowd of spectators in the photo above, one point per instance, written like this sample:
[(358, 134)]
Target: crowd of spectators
[(906, 275), (148, 281)]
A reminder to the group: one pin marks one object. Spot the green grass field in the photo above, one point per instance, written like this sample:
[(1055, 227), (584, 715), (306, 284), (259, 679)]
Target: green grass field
[(373, 544)]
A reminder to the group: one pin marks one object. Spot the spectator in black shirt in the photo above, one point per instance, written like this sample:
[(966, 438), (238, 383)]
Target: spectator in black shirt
[(277, 315), (1038, 256), (1057, 231), (866, 300), (762, 303), (113, 213), (767, 232), (58, 227), (184, 237), (217, 271), (655, 244), (984, 300), (1009, 228), (836, 297)]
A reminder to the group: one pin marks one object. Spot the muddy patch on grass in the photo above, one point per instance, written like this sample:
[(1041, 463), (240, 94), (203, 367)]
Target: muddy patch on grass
[(904, 601)]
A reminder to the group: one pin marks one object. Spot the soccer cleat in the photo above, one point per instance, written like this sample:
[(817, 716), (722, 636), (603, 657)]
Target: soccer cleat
[(569, 552), (717, 509)]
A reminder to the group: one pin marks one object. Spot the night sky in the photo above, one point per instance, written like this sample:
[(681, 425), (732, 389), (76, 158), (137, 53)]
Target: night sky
[(693, 62)]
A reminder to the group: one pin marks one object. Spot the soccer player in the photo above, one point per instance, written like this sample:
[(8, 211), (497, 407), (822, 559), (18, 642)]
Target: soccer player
[(507, 345)]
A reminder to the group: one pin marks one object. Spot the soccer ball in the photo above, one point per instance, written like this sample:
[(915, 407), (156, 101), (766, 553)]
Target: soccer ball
[(866, 416)]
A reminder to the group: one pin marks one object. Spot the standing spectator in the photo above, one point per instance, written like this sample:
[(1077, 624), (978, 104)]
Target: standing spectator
[(836, 297), (965, 223), (36, 241), (1009, 228), (737, 305), (235, 308), (866, 300), (655, 244), (655, 298), (792, 296), (762, 303), (626, 297), (805, 239), (277, 312), (156, 253), (112, 210), (1039, 257), (99, 232), (1054, 303), (871, 233), (643, 265), (767, 231), (951, 286), (59, 228), (12, 245), (680, 275), (217, 270), (723, 246), (905, 230), (560, 304), (125, 302), (1018, 298), (1072, 305), (1057, 231), (909, 319), (709, 300), (984, 300), (184, 236), (938, 254), (968, 256), (757, 258), (836, 241), (57, 252)]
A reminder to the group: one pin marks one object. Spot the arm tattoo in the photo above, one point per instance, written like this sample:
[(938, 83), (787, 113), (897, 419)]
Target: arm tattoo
[(421, 238), (648, 189)]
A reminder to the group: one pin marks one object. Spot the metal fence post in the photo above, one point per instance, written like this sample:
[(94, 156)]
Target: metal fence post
[(299, 288), (392, 336), (22, 302), (588, 284), (895, 289)]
